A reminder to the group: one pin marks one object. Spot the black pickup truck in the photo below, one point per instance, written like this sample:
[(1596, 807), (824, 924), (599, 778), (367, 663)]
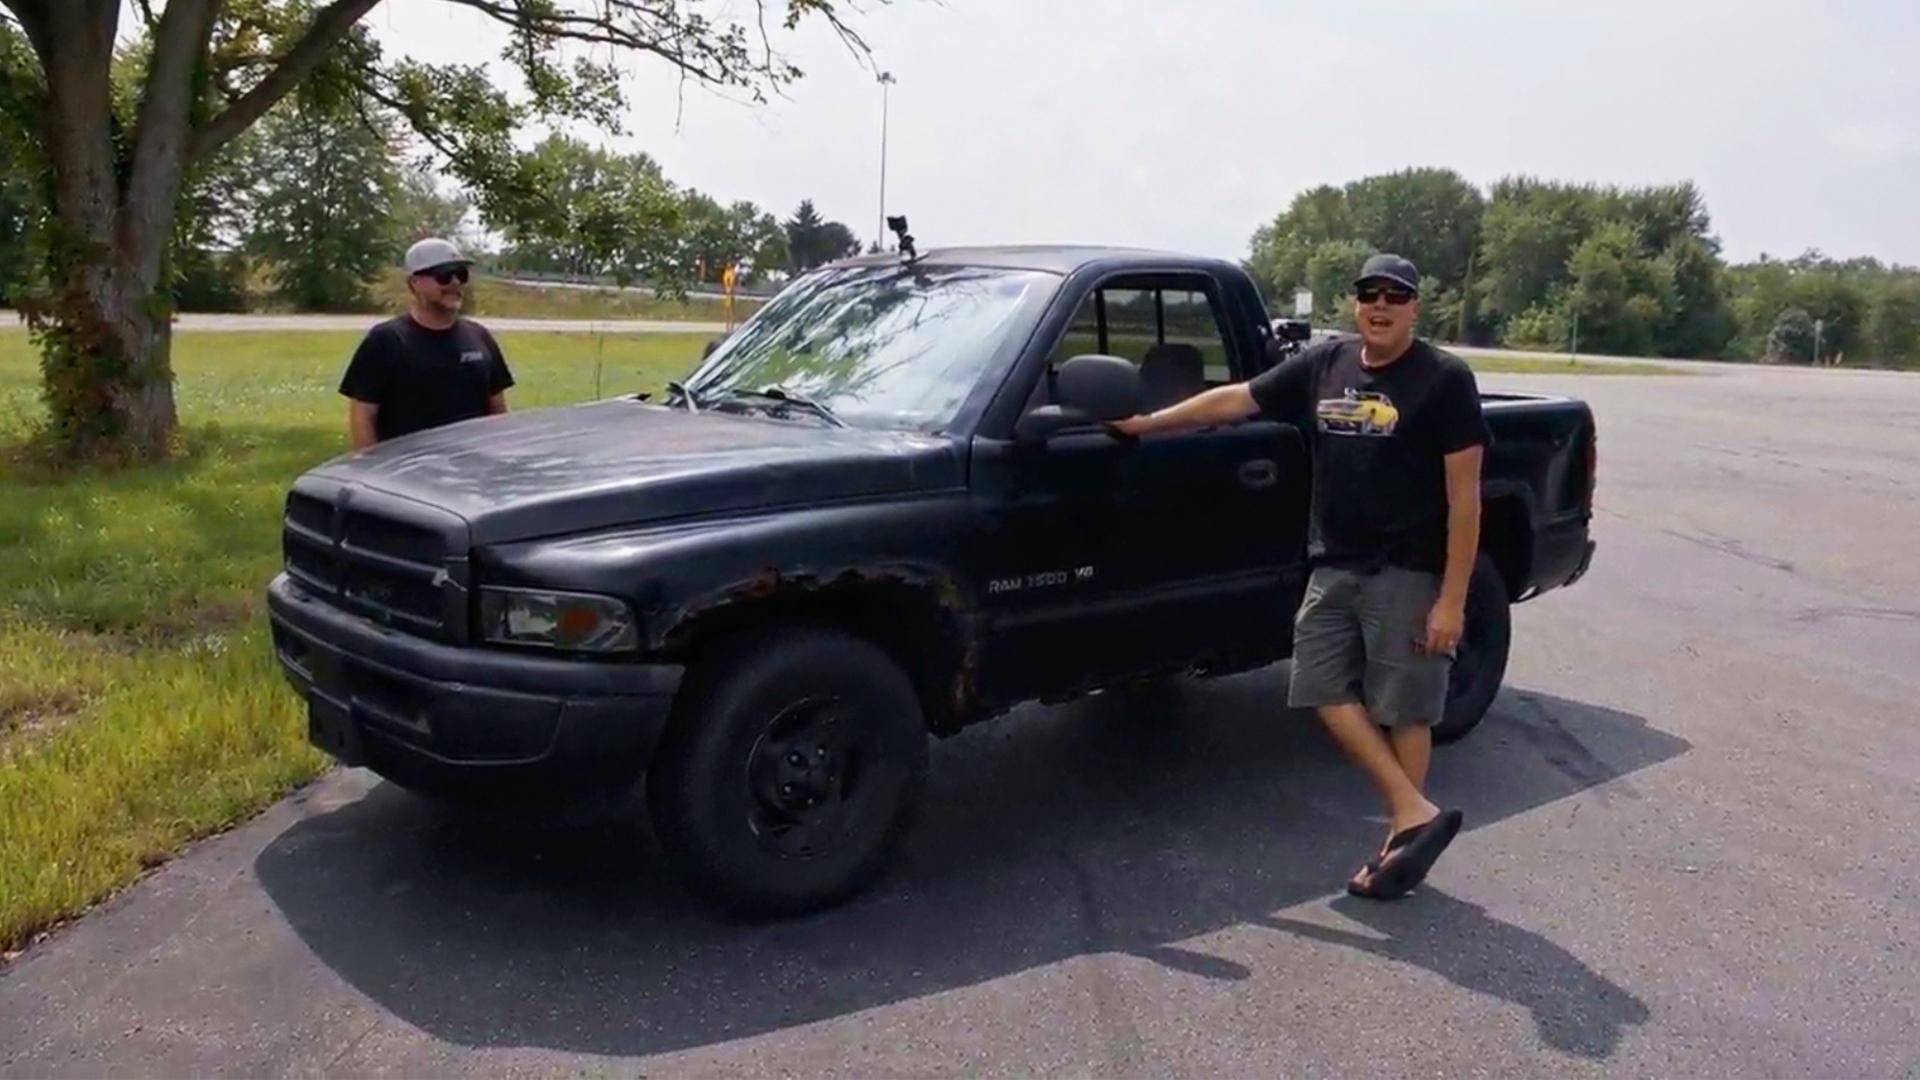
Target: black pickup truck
[(885, 506)]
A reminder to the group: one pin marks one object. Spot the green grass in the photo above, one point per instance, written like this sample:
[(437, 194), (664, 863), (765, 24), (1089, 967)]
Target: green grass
[(139, 703)]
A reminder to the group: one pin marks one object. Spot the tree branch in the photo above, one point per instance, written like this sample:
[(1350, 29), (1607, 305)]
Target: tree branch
[(160, 131), (31, 17), (329, 26), (77, 61), (434, 139), (604, 29)]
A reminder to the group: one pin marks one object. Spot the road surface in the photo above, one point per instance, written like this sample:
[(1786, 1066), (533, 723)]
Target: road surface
[(1689, 852)]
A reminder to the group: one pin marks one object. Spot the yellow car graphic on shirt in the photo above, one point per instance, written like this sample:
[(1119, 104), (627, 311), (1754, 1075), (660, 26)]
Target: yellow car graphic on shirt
[(1360, 412)]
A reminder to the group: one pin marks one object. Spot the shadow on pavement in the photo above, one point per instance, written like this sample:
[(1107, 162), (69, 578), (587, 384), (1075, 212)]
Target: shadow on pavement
[(1576, 1010), (1109, 826)]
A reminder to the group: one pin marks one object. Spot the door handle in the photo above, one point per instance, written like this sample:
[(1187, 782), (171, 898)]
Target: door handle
[(1259, 473)]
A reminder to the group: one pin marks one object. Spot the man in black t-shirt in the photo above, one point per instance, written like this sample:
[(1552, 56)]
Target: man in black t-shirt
[(1397, 438), (430, 366)]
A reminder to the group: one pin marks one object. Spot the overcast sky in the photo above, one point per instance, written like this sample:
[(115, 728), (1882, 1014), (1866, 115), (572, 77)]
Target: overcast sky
[(1187, 123)]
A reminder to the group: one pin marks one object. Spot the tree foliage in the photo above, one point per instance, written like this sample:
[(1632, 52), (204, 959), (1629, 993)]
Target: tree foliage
[(813, 241), (112, 137), (323, 215), (592, 213), (1431, 216), (1790, 339), (1538, 262)]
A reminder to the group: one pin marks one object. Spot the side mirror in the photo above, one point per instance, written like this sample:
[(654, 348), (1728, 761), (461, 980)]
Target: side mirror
[(1093, 389), (1292, 329)]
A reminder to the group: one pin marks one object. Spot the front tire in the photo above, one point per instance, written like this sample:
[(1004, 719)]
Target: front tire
[(790, 772), (1480, 661)]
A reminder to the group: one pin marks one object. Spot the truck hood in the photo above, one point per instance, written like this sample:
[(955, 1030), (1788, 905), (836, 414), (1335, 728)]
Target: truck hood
[(548, 472)]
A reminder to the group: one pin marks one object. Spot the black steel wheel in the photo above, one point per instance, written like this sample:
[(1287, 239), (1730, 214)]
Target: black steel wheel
[(790, 771)]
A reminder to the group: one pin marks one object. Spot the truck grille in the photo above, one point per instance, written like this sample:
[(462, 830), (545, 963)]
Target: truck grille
[(397, 563)]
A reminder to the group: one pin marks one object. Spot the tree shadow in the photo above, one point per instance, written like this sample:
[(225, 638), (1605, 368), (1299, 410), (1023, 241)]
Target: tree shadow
[(1121, 824)]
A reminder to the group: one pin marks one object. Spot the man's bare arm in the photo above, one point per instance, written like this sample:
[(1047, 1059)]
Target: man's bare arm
[(360, 428), (1220, 405), (1448, 620), (496, 404)]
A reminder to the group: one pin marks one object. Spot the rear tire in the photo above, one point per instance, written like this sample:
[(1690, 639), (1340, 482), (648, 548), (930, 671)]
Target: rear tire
[(1480, 662), (790, 770)]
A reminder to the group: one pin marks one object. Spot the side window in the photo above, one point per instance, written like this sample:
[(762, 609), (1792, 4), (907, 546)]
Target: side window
[(1132, 324), (1142, 320), (1083, 333), (1192, 320)]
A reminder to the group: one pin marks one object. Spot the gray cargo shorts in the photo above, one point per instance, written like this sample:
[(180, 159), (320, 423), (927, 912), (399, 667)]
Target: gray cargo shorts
[(1358, 639)]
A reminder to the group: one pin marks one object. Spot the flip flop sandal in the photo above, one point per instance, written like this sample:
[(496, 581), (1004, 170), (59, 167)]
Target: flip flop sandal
[(1372, 866), (1409, 856), (1356, 885)]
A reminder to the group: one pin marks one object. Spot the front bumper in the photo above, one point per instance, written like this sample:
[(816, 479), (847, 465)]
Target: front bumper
[(1586, 562), (426, 714)]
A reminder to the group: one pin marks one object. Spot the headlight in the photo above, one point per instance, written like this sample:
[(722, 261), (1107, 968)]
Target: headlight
[(578, 621)]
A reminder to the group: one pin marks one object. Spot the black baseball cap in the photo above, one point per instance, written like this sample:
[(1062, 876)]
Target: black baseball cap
[(1389, 267)]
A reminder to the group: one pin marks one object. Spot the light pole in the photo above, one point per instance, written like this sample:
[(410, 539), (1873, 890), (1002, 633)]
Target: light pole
[(880, 227)]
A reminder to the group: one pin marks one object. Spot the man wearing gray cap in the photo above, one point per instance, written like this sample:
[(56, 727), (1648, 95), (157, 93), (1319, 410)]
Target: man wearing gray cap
[(429, 366), (1397, 439)]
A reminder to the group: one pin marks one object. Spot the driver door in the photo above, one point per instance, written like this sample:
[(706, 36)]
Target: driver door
[(1113, 558)]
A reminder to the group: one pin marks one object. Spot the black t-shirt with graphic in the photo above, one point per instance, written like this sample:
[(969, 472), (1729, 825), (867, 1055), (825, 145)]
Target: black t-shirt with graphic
[(423, 378), (1378, 437)]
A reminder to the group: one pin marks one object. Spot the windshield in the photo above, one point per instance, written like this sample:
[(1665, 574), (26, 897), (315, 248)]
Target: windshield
[(883, 346)]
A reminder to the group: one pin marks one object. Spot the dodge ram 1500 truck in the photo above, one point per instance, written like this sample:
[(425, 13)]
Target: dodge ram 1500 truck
[(887, 505)]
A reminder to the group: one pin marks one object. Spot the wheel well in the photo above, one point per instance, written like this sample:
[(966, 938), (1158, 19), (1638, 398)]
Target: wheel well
[(1507, 537), (909, 621)]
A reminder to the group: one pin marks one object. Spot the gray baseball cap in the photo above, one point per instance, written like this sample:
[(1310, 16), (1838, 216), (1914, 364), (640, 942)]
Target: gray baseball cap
[(433, 252), (1389, 267)]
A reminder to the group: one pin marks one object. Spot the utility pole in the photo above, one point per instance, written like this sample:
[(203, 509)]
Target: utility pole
[(880, 227)]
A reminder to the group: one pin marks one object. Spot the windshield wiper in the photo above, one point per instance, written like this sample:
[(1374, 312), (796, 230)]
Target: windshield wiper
[(784, 397), (686, 395)]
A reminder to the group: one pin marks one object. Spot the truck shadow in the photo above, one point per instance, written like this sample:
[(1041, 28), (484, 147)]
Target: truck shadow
[(1114, 825)]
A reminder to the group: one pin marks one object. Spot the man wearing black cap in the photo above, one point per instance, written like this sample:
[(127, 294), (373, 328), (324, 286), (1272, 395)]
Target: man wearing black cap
[(430, 366), (1397, 437)]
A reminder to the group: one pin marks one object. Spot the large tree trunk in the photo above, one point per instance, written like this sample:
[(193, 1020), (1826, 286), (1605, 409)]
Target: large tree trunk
[(105, 330), (106, 352), (135, 402), (106, 336)]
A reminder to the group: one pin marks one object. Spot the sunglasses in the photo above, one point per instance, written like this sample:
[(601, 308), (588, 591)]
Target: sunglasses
[(447, 274), (1396, 297)]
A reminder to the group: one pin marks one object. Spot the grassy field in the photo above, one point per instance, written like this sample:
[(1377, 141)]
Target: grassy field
[(139, 704)]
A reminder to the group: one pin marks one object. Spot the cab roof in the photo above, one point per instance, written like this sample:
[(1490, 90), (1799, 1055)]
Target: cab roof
[(1060, 259)]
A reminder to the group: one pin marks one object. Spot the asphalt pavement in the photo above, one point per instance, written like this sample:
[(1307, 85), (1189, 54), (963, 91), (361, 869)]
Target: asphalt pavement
[(1689, 851)]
